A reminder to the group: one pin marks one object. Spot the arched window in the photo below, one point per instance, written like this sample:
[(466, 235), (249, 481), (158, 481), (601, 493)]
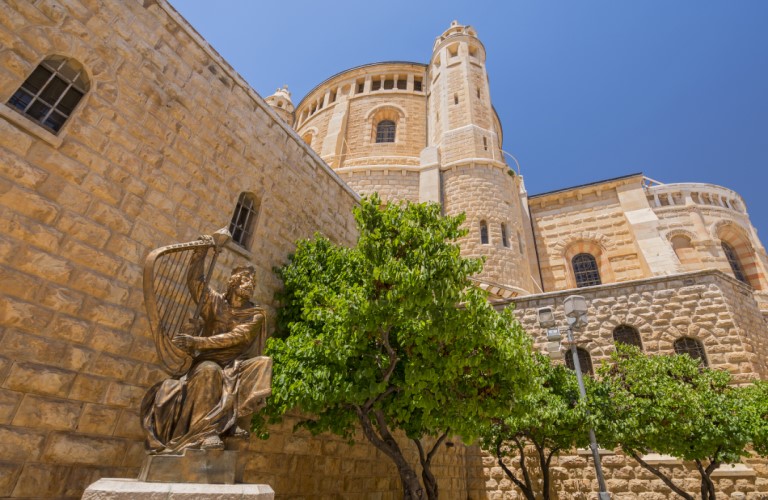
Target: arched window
[(483, 232), (585, 361), (385, 131), (50, 94), (691, 347), (585, 270), (625, 334), (733, 260), (243, 221), (504, 237)]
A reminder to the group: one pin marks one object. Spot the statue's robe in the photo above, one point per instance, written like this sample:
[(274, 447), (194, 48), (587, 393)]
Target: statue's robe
[(224, 382)]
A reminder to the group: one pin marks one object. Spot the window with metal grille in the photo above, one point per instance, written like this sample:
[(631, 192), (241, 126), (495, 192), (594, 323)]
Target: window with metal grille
[(483, 232), (692, 348), (49, 95), (585, 361), (385, 131), (244, 220), (733, 260), (585, 270), (625, 334)]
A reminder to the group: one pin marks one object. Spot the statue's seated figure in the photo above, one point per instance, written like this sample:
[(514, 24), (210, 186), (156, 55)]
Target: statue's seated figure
[(228, 378)]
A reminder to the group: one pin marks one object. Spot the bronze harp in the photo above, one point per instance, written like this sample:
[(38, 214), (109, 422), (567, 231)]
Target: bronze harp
[(168, 300)]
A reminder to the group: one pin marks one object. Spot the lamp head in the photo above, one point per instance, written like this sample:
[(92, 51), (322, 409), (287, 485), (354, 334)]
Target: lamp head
[(575, 307), (546, 317)]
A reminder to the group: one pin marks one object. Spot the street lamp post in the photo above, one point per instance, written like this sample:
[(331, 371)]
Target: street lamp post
[(575, 307)]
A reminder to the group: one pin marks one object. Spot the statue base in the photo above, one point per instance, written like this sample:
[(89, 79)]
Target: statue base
[(193, 466), (132, 489)]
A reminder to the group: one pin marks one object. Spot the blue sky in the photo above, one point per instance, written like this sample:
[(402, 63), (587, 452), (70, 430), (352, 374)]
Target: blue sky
[(585, 90)]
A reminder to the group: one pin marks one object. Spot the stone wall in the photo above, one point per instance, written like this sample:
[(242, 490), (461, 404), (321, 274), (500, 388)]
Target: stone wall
[(709, 306), (587, 219), (157, 152)]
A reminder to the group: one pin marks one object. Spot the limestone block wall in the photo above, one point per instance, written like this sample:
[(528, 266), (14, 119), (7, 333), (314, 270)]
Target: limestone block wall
[(157, 152), (391, 184), (709, 306), (587, 219)]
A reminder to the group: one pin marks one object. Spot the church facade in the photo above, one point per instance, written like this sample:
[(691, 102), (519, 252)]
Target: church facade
[(122, 130)]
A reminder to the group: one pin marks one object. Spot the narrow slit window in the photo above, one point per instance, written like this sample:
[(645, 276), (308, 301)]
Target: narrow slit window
[(484, 232), (243, 221), (50, 94), (504, 238)]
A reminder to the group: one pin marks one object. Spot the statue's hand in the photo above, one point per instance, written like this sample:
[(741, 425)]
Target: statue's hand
[(186, 343)]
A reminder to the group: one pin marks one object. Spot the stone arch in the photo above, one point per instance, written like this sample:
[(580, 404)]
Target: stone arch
[(308, 135), (737, 238), (625, 317), (593, 244), (389, 111), (682, 243), (51, 41)]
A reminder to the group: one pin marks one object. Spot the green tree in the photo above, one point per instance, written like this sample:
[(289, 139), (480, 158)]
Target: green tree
[(755, 403), (391, 335), (672, 405), (542, 424)]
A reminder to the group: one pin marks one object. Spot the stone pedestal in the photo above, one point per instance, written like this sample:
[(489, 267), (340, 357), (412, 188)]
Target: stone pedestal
[(194, 466), (132, 489)]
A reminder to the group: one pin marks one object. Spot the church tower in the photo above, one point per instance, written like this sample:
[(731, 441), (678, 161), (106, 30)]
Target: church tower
[(462, 166), (282, 105)]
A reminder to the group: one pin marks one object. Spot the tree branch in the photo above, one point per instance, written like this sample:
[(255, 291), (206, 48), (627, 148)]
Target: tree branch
[(528, 494), (523, 467), (672, 486)]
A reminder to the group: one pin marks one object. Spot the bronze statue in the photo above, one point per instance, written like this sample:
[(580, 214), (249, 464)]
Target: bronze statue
[(218, 371)]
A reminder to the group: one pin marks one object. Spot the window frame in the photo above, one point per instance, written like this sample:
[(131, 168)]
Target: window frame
[(63, 71), (582, 276), (242, 225), (383, 135), (733, 260), (693, 348), (625, 330), (585, 361)]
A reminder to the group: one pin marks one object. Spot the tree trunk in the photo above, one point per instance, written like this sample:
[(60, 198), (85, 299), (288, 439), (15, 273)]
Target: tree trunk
[(382, 439), (707, 486), (430, 483), (672, 486), (526, 487)]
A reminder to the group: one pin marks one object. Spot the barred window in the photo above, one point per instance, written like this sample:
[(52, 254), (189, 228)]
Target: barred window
[(243, 221), (733, 260), (585, 270), (585, 361), (385, 131), (691, 347), (625, 334), (50, 94), (483, 232)]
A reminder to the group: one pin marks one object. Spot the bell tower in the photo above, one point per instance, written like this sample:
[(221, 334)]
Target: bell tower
[(462, 166)]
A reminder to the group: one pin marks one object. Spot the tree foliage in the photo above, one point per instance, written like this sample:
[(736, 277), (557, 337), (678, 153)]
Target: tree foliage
[(543, 423), (671, 405), (391, 335)]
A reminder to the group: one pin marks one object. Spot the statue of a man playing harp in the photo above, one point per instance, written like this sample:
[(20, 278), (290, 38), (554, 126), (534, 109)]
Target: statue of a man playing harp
[(219, 372)]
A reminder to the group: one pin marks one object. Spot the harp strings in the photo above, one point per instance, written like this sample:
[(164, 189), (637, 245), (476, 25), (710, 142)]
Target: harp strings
[(174, 300)]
